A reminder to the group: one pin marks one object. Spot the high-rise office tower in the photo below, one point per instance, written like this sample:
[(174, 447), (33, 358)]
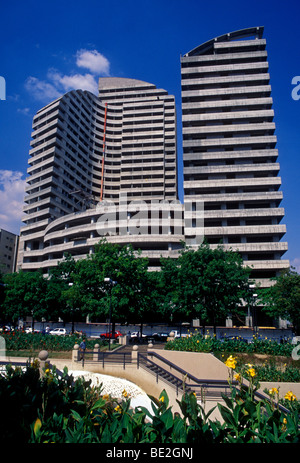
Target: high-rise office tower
[(229, 148), (87, 150)]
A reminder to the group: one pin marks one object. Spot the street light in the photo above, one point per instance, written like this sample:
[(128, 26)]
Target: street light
[(253, 306), (111, 284)]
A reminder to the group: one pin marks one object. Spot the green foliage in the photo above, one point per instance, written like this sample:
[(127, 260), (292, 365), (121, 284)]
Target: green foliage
[(201, 343), (19, 340), (24, 294), (283, 298), (234, 345), (47, 408), (205, 283)]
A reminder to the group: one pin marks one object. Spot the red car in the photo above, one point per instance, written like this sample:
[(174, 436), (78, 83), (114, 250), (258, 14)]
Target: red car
[(109, 335)]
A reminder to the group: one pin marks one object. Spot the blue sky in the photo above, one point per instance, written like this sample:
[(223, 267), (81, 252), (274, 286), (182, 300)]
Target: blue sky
[(48, 48)]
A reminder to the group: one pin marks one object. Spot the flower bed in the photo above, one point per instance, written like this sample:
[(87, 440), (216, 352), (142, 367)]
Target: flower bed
[(222, 348), (199, 343), (63, 410)]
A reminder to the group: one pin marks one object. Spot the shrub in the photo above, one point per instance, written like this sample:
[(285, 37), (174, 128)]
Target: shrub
[(49, 408), (200, 343), (19, 340)]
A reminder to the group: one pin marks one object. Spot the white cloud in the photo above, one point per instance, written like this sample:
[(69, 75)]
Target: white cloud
[(94, 61), (12, 187), (76, 81), (24, 111), (41, 90), (57, 83)]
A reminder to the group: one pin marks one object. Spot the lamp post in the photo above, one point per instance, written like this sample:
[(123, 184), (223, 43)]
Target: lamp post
[(111, 284), (253, 306), (72, 310)]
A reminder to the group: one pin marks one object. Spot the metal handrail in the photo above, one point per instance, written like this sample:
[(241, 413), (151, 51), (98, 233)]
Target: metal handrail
[(199, 381), (207, 383), (114, 357)]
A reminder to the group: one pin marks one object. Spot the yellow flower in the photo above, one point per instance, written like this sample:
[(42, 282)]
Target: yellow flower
[(125, 393), (106, 396), (162, 399), (251, 372), (290, 396), (231, 362), (284, 423), (273, 391), (237, 377), (118, 408)]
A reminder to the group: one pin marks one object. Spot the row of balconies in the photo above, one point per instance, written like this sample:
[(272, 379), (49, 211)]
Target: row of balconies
[(252, 197), (263, 114), (248, 168), (238, 213), (230, 128), (186, 72), (264, 102), (262, 90), (240, 44), (223, 156), (268, 140), (221, 80), (206, 59), (266, 182)]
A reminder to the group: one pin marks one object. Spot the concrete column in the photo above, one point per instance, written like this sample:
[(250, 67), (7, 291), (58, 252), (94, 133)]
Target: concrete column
[(96, 353), (75, 353), (43, 356), (134, 354)]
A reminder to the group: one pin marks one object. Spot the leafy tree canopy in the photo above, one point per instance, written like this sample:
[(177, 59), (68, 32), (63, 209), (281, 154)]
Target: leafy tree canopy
[(283, 298)]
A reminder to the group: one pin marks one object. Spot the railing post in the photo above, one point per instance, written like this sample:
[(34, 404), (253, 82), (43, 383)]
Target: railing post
[(135, 355), (43, 355), (75, 353), (96, 353)]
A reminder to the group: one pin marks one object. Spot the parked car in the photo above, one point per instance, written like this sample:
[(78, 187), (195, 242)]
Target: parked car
[(59, 331), (110, 335), (7, 328), (136, 337), (29, 330), (160, 337)]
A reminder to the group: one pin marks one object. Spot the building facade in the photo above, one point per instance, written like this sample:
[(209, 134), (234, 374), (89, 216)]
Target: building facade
[(106, 165), (102, 166), (8, 251), (229, 149)]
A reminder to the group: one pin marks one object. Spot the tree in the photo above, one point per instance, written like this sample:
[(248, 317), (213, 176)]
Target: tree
[(62, 297), (24, 296), (206, 283), (130, 298), (283, 298)]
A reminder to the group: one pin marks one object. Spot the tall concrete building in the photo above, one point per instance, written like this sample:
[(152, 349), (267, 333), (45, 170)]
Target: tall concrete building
[(229, 148), (8, 251), (106, 165), (92, 160)]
